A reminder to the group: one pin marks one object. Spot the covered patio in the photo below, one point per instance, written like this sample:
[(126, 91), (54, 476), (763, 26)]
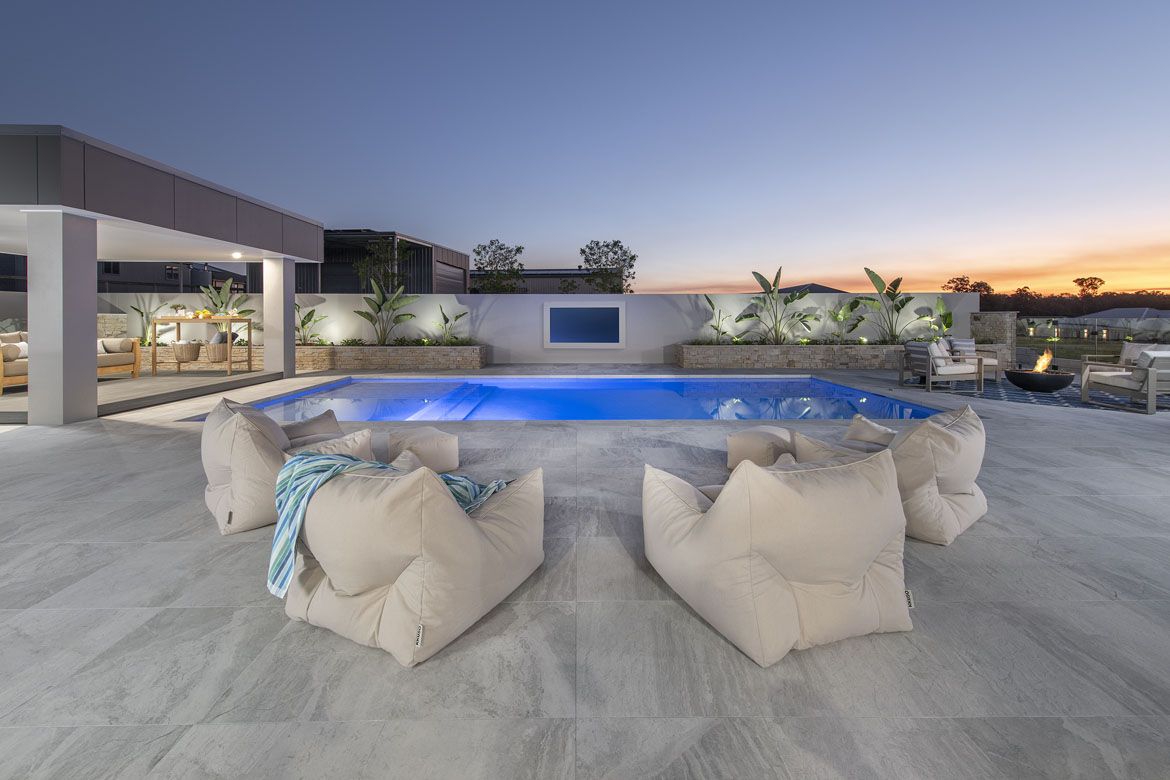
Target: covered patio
[(68, 201)]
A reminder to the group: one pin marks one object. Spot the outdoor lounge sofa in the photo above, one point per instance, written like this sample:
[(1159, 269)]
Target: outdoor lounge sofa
[(1130, 352), (931, 361), (114, 356), (390, 560), (937, 463), (784, 558), (1143, 382)]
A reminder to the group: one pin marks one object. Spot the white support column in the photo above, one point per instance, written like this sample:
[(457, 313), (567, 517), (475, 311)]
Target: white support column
[(280, 332), (62, 317)]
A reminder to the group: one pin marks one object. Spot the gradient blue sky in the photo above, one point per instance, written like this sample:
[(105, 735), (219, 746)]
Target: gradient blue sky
[(1021, 142)]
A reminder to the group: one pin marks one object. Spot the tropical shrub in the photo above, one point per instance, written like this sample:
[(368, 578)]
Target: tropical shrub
[(842, 320), (447, 325), (719, 317), (384, 311), (885, 310), (306, 325), (771, 311)]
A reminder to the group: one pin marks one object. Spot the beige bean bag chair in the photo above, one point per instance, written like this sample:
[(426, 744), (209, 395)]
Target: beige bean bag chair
[(243, 449), (785, 558), (391, 561), (937, 461)]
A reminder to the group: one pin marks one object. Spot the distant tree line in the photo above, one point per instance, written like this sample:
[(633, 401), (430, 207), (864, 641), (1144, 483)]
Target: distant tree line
[(1089, 298)]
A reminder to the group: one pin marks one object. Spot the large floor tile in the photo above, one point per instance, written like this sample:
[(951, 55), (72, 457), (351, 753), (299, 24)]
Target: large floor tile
[(516, 662), (84, 751), (30, 573), (539, 749), (169, 669)]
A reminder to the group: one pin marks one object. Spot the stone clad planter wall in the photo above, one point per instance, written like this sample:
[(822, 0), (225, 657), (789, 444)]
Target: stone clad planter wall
[(419, 359), (468, 358), (811, 357), (795, 356)]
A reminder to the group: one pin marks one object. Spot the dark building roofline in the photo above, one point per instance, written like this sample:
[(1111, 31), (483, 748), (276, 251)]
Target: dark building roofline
[(366, 234)]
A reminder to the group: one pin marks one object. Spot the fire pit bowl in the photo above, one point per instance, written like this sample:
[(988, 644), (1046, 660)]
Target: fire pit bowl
[(1039, 381)]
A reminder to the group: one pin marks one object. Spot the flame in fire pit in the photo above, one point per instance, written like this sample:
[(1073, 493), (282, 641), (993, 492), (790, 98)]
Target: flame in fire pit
[(1043, 361)]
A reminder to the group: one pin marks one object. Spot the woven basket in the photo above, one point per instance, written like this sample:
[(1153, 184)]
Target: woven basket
[(219, 353), (186, 353)]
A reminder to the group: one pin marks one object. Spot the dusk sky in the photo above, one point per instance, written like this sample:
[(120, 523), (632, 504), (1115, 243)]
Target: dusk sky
[(1024, 143)]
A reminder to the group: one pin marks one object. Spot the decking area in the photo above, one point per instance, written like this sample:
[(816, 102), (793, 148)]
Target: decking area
[(136, 641)]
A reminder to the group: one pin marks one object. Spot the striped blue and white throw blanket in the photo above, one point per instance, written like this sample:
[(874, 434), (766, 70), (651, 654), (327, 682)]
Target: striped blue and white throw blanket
[(298, 481)]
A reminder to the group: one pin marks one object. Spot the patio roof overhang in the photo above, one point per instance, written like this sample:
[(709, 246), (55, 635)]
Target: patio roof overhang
[(68, 200)]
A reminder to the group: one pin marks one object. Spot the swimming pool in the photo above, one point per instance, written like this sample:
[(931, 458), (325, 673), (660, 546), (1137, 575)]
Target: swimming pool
[(589, 398)]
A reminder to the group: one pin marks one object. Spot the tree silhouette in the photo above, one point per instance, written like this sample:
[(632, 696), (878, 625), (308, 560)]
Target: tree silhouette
[(1088, 286), (963, 284)]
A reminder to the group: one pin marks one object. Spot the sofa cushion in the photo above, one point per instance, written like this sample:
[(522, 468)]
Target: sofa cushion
[(939, 354), (14, 337), (324, 423), (18, 367), (115, 359), (784, 559), (438, 450), (390, 560), (10, 352), (938, 462), (117, 345)]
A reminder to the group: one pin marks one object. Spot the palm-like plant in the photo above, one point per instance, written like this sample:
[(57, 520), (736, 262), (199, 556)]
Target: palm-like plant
[(771, 310), (146, 314), (886, 309), (447, 325), (719, 317), (224, 301), (384, 314), (842, 319), (941, 319), (306, 325)]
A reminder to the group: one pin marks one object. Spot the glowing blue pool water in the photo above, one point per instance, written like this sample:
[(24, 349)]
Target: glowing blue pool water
[(589, 398)]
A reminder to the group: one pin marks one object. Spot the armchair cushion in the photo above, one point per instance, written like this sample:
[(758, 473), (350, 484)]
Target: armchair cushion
[(116, 345), (390, 560), (784, 559)]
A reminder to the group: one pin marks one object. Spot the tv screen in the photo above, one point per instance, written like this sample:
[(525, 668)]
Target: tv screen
[(584, 325)]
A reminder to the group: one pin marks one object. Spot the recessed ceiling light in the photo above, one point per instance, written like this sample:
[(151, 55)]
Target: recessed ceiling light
[(237, 255)]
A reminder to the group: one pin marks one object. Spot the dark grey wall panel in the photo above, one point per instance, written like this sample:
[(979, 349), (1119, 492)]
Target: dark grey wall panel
[(302, 239), (124, 188), (72, 173), (18, 169), (49, 170), (259, 227), (203, 211)]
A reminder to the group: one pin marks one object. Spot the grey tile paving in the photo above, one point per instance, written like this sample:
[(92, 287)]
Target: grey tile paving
[(135, 641)]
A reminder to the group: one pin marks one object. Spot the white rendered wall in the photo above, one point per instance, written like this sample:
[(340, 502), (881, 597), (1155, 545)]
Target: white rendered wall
[(513, 324)]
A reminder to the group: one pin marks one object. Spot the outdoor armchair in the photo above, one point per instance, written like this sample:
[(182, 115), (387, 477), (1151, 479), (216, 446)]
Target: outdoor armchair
[(967, 350), (935, 365), (1143, 382), (1130, 352)]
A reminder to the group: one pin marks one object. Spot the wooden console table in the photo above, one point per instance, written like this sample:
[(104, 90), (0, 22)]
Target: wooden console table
[(178, 322)]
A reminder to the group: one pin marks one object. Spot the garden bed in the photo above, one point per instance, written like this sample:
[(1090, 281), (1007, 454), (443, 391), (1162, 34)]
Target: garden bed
[(806, 357), (328, 357)]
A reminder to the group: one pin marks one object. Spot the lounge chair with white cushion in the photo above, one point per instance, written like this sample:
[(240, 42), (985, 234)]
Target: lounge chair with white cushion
[(931, 361), (784, 558), (967, 350), (1130, 352), (1143, 382)]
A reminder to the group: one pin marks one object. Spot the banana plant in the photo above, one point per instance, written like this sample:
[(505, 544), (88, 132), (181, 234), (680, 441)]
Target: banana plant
[(842, 319), (447, 325), (719, 317), (384, 314), (886, 309), (224, 301), (306, 325), (146, 314), (942, 319), (771, 310)]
